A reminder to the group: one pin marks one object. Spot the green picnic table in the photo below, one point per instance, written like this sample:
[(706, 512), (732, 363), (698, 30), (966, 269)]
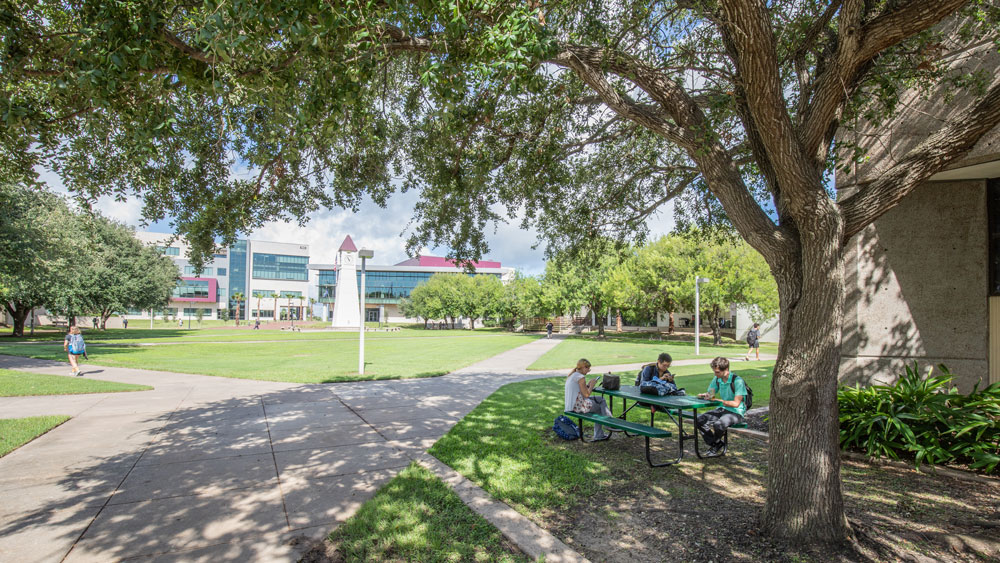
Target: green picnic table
[(675, 406)]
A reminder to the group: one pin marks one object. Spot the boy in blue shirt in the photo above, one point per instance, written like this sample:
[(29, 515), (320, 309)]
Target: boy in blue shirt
[(713, 424)]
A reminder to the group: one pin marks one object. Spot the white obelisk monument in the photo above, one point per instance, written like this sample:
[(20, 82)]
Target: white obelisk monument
[(346, 308)]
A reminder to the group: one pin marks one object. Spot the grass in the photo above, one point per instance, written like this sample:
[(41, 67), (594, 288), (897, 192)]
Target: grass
[(416, 517), (631, 348), (243, 333), (298, 361), (15, 432), (20, 384)]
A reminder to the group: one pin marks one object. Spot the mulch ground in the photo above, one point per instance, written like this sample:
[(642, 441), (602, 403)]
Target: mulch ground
[(707, 511)]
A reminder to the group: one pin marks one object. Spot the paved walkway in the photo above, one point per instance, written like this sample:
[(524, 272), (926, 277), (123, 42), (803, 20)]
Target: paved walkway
[(208, 468)]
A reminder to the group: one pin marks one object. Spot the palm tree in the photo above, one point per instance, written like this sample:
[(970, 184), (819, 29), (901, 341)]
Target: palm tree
[(274, 296), (259, 295), (238, 298)]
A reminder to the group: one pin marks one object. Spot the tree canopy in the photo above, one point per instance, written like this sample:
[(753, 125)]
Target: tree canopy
[(583, 117)]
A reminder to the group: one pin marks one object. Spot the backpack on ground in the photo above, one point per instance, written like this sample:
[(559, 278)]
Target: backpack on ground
[(565, 428), (748, 400)]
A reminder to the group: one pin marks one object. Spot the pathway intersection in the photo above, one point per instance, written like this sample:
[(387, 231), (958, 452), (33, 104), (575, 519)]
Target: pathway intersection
[(207, 468)]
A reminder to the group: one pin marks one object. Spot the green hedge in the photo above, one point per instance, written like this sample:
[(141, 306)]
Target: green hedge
[(925, 419)]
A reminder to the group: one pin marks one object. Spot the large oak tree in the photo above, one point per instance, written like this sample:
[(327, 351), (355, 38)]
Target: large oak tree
[(584, 116)]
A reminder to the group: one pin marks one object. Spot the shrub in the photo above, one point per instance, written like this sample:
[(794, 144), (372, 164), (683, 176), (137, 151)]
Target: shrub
[(923, 417)]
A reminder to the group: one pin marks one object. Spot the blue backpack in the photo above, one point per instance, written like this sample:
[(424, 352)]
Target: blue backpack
[(565, 428)]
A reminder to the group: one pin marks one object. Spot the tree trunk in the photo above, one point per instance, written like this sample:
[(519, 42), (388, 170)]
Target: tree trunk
[(670, 329), (618, 321), (19, 313), (105, 315), (804, 497)]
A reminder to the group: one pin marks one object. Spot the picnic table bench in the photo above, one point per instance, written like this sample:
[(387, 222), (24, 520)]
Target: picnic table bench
[(677, 407), (620, 424)]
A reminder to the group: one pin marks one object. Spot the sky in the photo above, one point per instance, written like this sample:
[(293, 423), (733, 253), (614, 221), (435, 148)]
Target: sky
[(381, 230)]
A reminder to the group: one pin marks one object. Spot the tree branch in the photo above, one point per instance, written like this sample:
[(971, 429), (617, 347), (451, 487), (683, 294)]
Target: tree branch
[(930, 157), (857, 46)]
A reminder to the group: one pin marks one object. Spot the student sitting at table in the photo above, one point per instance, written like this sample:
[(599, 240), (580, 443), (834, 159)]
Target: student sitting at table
[(713, 424), (660, 369), (579, 398)]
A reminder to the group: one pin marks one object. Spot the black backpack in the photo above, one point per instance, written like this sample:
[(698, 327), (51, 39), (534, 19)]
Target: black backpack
[(748, 400)]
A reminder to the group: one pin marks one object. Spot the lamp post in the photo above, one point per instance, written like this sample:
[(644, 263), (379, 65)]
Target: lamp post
[(364, 253), (697, 313)]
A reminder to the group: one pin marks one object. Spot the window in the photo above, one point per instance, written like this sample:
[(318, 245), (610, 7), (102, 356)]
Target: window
[(292, 294), (187, 289), (237, 281), (191, 271), (264, 314), (169, 250), (327, 286), (280, 267), (193, 312), (220, 271)]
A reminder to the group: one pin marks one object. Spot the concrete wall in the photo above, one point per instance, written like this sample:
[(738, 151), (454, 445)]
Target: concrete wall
[(917, 288)]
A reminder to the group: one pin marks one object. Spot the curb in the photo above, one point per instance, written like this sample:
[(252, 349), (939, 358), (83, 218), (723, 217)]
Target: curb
[(530, 538)]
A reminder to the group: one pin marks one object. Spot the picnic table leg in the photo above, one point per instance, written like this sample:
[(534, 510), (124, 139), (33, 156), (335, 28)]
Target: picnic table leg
[(680, 445)]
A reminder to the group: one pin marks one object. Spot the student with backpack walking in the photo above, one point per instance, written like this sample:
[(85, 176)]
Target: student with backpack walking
[(753, 341), (75, 347), (548, 330), (730, 390)]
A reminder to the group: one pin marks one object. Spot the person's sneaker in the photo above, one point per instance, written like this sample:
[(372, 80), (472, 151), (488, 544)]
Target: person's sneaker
[(713, 451)]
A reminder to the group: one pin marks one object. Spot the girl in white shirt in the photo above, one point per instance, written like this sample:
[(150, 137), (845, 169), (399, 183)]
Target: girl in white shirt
[(579, 399)]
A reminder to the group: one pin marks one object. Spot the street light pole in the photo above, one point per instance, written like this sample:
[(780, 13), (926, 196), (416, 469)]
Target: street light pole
[(364, 253), (697, 314)]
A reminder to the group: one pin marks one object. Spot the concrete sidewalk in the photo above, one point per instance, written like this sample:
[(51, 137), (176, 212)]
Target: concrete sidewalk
[(207, 468)]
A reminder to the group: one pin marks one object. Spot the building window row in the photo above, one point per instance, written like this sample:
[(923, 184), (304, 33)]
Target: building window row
[(193, 312), (280, 267), (263, 314), (188, 289), (169, 250)]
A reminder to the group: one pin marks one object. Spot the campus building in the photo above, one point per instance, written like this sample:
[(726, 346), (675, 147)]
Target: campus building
[(386, 285), (272, 277), (923, 281)]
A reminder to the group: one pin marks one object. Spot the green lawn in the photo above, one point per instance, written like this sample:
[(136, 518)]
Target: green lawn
[(416, 517), (242, 334), (630, 349), (19, 384), (299, 361), (15, 432)]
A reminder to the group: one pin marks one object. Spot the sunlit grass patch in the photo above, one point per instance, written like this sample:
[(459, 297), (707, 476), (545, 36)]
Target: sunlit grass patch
[(15, 432), (416, 517), (19, 384)]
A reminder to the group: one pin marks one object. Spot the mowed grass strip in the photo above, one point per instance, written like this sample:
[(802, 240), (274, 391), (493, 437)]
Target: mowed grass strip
[(19, 384), (243, 333), (634, 349), (299, 361), (416, 517), (15, 432)]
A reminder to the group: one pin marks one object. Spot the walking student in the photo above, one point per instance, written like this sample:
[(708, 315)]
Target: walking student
[(75, 347), (548, 330), (753, 341)]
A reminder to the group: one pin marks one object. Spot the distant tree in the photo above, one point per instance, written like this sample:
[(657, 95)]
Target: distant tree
[(738, 276), (580, 278), (39, 249), (238, 297), (483, 297), (519, 299), (120, 272), (199, 314), (224, 315)]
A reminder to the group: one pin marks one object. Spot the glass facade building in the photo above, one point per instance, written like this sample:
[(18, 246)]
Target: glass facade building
[(238, 276), (280, 267)]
